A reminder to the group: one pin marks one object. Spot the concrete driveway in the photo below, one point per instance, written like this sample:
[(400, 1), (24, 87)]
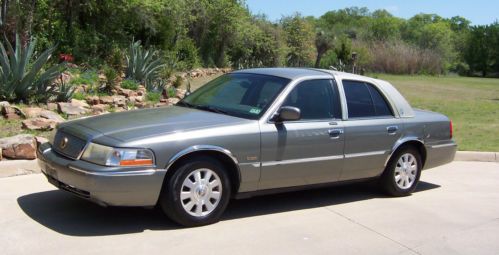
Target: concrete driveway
[(454, 211)]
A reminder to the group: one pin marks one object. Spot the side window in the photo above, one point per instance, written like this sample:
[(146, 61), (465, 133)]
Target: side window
[(364, 100), (316, 99), (380, 105)]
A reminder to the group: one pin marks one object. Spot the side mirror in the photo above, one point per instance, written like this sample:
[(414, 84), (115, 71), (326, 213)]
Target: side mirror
[(287, 113)]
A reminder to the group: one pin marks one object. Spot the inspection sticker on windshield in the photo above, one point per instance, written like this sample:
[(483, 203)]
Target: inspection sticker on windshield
[(255, 111)]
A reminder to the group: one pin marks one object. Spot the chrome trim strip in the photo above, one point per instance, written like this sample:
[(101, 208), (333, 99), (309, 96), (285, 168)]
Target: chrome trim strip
[(302, 160), (442, 145), (364, 154), (120, 173)]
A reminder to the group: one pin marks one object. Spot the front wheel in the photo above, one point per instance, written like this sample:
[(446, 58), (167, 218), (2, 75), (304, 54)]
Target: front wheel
[(197, 193), (402, 173)]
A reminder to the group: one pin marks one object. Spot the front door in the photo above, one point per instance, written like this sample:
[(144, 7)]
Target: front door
[(309, 150)]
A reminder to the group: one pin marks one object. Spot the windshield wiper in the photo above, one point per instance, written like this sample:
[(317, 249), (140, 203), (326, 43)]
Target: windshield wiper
[(210, 108)]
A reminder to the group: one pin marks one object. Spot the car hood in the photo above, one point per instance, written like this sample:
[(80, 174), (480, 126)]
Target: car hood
[(138, 124)]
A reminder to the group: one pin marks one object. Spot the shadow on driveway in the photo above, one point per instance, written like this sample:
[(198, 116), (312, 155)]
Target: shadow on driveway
[(69, 215)]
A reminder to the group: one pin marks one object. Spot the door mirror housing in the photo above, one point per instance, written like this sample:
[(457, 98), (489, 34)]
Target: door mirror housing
[(287, 113)]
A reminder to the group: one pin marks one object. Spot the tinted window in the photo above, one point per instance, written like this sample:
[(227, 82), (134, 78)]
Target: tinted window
[(380, 105), (316, 99), (364, 100), (241, 95)]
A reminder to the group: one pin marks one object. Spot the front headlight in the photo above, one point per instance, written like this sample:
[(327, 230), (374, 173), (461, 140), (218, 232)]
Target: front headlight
[(108, 156)]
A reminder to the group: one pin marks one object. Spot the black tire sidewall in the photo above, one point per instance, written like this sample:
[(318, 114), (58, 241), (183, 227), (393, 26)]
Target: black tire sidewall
[(170, 197), (388, 178)]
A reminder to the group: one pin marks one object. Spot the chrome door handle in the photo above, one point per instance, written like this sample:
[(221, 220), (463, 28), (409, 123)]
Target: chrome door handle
[(392, 130), (335, 132)]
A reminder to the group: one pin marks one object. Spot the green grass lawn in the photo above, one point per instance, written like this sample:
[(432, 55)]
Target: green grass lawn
[(471, 103)]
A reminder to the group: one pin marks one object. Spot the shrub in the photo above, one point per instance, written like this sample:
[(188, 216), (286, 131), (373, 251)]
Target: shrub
[(79, 96), (142, 65), (23, 78), (129, 84), (111, 76), (178, 82), (65, 92), (171, 92), (153, 97)]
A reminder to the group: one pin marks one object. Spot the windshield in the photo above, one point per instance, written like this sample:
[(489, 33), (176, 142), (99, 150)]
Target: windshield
[(241, 95)]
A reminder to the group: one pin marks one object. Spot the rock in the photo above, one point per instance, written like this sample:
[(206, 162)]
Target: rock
[(140, 93), (18, 147), (106, 100), (41, 140), (1, 157), (132, 93), (163, 100), (140, 104), (32, 112), (39, 124), (52, 106), (139, 99), (50, 115), (71, 109), (173, 100), (10, 111), (12, 116), (180, 93), (81, 103), (99, 109), (119, 101), (161, 104), (3, 104), (92, 100), (124, 92)]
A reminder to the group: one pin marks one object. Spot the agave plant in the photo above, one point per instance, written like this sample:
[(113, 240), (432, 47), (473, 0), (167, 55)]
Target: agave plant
[(65, 91), (142, 65), (20, 75)]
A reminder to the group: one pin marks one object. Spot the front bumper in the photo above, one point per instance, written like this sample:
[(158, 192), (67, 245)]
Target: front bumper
[(113, 186)]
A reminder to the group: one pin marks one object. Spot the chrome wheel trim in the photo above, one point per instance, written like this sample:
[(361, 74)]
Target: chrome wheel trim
[(201, 192), (406, 171)]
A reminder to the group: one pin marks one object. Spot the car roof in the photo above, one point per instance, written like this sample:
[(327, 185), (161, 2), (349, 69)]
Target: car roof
[(286, 72)]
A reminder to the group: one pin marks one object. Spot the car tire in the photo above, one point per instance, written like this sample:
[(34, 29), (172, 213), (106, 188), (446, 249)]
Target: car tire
[(197, 193), (401, 175)]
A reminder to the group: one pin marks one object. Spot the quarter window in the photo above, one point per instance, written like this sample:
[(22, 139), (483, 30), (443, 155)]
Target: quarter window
[(316, 99), (364, 100)]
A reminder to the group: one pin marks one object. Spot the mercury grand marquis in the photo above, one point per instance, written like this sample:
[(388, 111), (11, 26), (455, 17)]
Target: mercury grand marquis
[(246, 133)]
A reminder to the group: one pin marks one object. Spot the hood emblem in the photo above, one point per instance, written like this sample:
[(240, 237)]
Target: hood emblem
[(64, 143)]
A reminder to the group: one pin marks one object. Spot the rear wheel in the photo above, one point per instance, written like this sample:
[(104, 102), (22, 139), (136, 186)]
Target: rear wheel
[(197, 193), (402, 173)]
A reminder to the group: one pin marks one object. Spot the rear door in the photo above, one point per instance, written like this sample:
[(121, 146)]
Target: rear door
[(309, 150), (371, 130)]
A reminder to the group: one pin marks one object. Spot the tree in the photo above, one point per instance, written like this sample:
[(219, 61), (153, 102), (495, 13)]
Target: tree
[(299, 40)]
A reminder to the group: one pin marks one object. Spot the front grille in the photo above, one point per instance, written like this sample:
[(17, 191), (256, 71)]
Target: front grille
[(68, 145)]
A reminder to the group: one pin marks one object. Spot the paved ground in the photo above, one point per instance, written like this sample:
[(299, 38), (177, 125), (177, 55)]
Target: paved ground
[(454, 211)]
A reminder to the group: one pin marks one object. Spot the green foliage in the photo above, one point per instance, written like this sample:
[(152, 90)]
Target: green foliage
[(65, 91), (153, 97), (79, 96), (171, 92), (299, 39), (482, 51), (88, 77), (111, 76), (178, 81), (22, 75), (129, 84), (142, 65)]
